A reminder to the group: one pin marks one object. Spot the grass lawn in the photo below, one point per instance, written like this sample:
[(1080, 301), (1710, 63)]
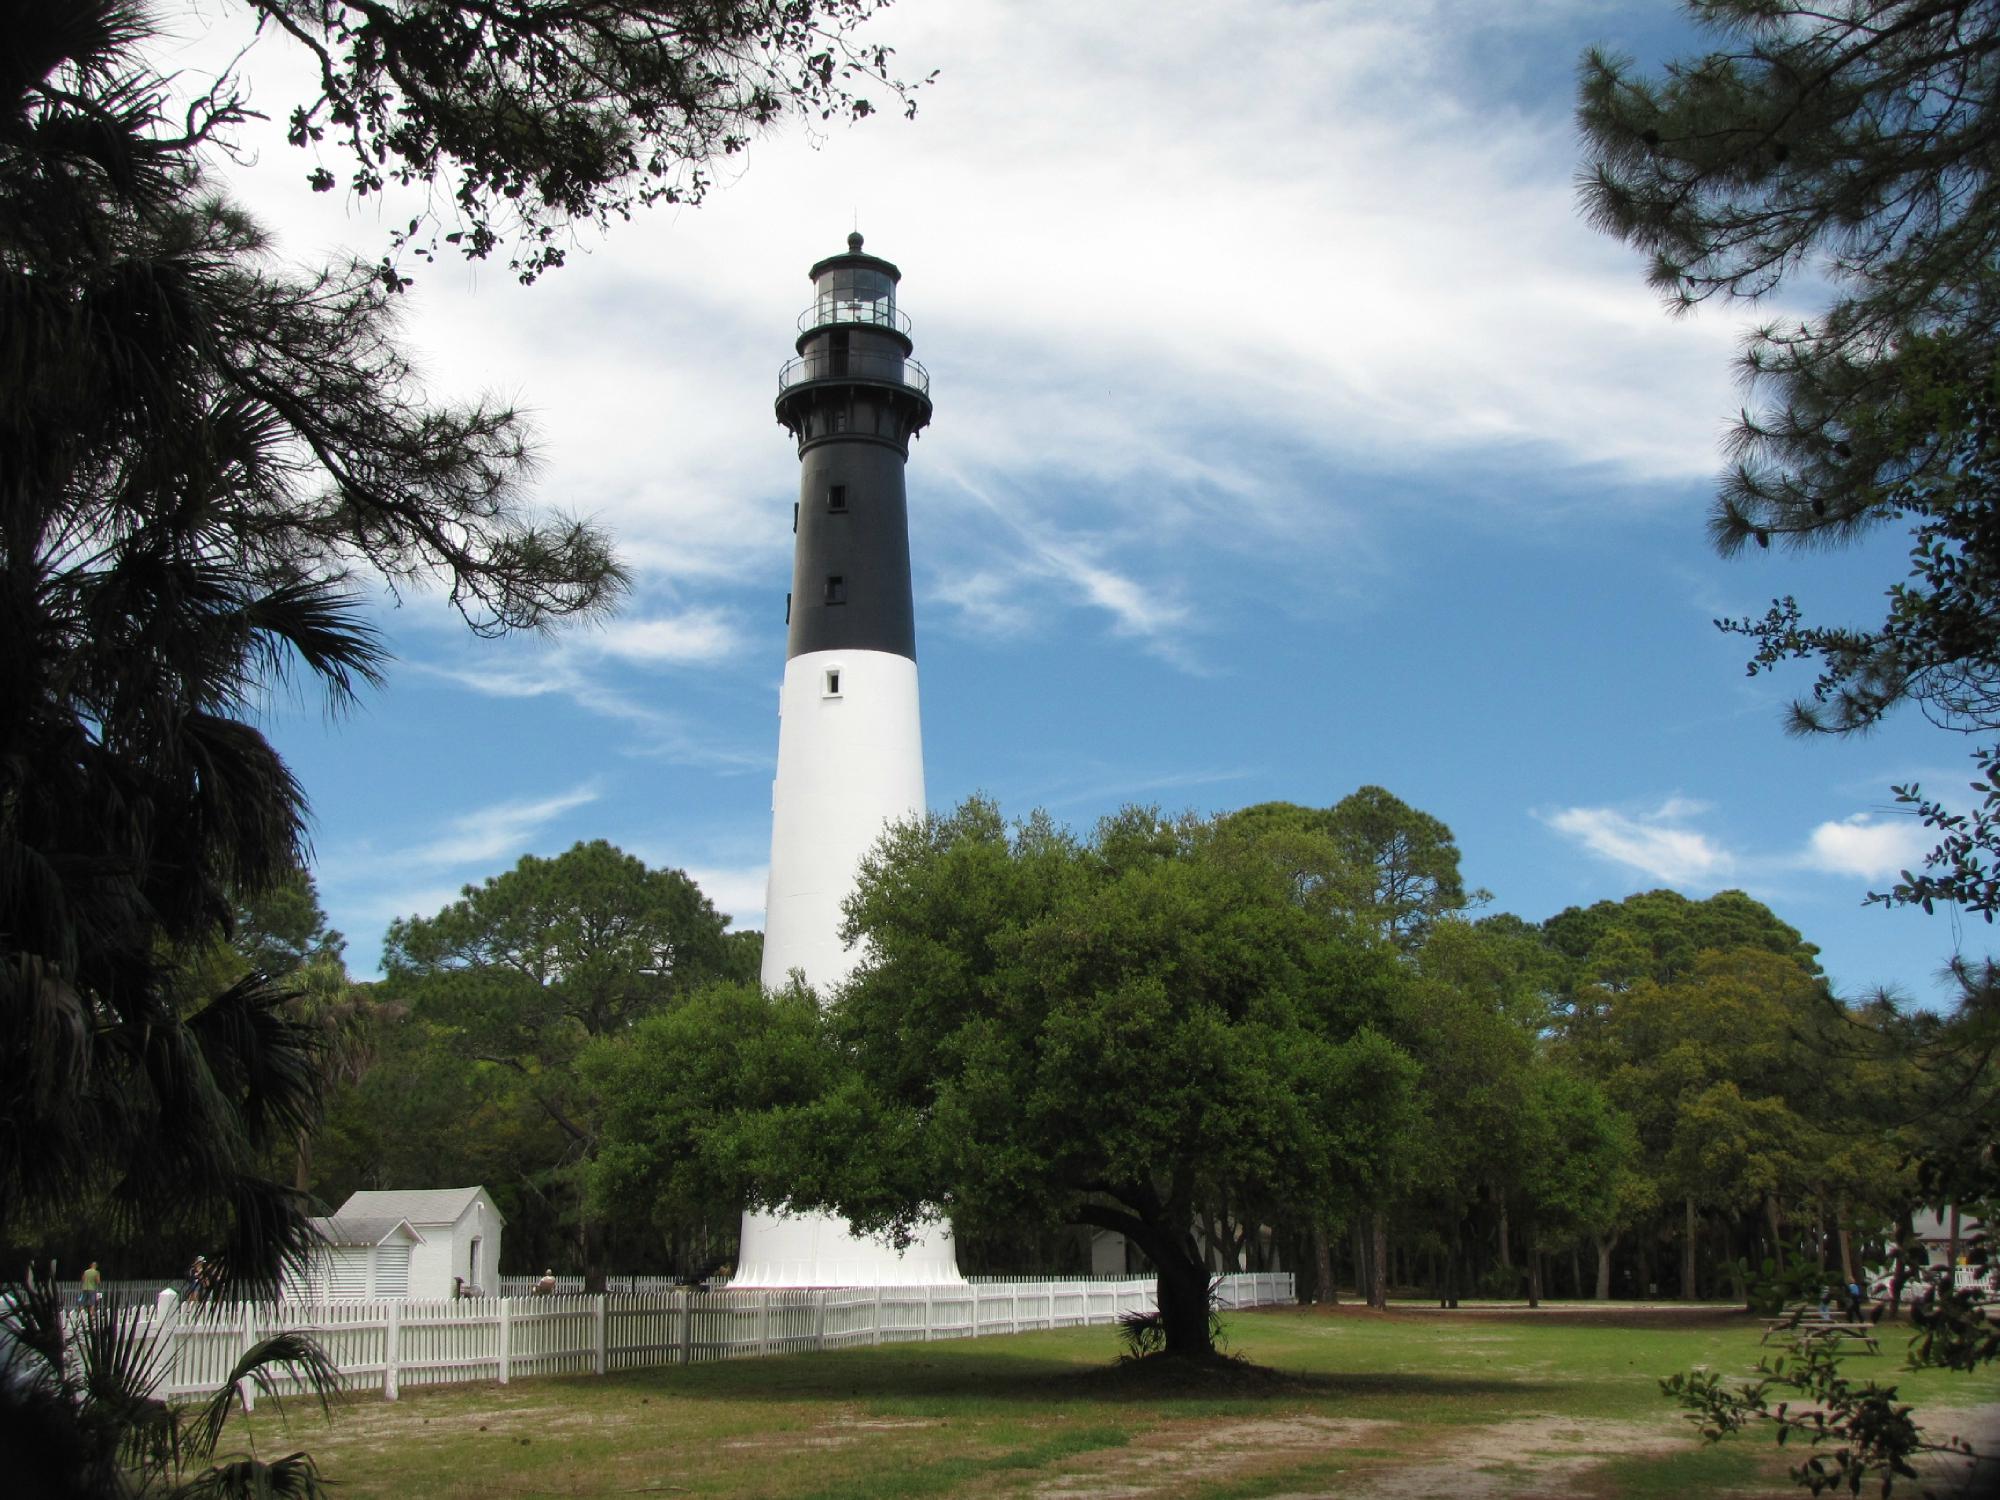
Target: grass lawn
[(1412, 1403)]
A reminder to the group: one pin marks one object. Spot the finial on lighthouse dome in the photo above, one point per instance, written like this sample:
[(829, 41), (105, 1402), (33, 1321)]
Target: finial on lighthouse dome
[(854, 243)]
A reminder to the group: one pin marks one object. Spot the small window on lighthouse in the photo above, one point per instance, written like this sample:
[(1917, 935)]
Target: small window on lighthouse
[(832, 682), (836, 497), (836, 589)]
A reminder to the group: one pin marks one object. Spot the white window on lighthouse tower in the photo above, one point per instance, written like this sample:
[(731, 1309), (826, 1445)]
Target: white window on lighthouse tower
[(832, 683)]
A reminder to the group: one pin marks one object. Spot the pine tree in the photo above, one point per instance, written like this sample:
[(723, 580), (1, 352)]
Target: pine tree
[(1852, 143)]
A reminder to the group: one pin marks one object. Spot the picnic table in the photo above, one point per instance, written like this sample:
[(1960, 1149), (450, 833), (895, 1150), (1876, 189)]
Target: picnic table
[(1804, 1329)]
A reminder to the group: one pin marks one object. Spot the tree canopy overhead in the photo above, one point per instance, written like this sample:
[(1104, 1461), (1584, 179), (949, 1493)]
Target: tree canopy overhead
[(1846, 147), (524, 119)]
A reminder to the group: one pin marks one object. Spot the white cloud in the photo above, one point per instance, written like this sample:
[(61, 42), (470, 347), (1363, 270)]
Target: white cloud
[(561, 672), (1115, 249), (692, 637), (1861, 845), (1653, 842), (498, 831), (738, 891)]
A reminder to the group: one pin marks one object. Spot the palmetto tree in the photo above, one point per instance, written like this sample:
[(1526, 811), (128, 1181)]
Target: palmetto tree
[(198, 452), (79, 1413)]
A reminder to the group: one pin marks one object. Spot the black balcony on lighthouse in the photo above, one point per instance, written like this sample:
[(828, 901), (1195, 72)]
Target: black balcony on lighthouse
[(853, 399)]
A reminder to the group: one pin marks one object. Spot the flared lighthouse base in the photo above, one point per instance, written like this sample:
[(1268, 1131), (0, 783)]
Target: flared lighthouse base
[(821, 1250)]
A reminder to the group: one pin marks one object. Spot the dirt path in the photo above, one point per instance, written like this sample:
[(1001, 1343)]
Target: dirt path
[(1542, 1457), (1531, 1459)]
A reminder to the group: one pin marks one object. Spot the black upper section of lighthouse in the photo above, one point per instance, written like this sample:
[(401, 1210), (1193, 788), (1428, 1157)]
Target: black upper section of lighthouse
[(853, 399)]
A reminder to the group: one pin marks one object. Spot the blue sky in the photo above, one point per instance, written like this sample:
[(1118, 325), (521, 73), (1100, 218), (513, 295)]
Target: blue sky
[(1292, 433)]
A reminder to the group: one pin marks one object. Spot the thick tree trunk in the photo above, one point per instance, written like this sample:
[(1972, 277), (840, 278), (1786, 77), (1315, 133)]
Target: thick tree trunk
[(1846, 1244), (1906, 1234), (1323, 1266), (1690, 1253), (1605, 1245), (591, 1250), (1183, 1294), (1378, 1262)]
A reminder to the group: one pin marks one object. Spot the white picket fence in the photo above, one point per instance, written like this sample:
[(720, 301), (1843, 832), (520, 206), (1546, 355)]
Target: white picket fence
[(386, 1346)]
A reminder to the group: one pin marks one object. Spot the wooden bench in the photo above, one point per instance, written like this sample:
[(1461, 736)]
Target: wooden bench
[(1802, 1333)]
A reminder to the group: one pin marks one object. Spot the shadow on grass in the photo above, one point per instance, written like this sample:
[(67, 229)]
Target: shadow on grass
[(942, 1372)]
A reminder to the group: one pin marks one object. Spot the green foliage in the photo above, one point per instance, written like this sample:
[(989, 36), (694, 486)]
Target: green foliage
[(1370, 856), (1955, 1331), (556, 950), (1855, 1433), (510, 988), (679, 1098), (1850, 145), (79, 1417), (1111, 1032), (198, 449), (1775, 1285)]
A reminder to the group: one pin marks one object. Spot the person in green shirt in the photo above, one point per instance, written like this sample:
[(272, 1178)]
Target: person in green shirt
[(93, 1285)]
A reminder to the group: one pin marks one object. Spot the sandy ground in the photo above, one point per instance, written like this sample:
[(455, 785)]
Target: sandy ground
[(1532, 1459), (1546, 1459)]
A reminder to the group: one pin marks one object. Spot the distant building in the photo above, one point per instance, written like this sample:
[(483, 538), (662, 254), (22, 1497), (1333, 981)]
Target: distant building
[(358, 1260), (405, 1243)]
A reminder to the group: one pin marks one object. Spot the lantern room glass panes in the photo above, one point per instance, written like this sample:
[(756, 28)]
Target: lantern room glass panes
[(854, 294)]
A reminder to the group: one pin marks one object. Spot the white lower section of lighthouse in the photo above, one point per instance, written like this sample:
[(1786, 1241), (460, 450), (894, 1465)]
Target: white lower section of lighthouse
[(850, 762)]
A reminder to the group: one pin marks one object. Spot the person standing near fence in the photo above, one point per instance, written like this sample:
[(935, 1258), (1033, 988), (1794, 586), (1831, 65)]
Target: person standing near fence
[(93, 1285)]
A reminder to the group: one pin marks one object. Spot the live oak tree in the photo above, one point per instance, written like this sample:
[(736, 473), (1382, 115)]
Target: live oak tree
[(524, 971), (679, 1095), (1052, 1030), (1844, 151)]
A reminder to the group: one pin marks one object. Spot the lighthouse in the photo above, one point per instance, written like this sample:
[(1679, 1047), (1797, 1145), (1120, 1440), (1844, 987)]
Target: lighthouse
[(850, 742)]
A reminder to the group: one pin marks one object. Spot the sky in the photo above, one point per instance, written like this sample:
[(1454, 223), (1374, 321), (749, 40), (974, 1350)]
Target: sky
[(1293, 433)]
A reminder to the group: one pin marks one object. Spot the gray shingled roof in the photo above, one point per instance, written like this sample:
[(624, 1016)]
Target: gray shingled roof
[(346, 1230), (418, 1205)]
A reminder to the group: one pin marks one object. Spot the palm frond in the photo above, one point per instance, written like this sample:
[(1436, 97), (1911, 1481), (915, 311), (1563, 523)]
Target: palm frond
[(284, 1358)]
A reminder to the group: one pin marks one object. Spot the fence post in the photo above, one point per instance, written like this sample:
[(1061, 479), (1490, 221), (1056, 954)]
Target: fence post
[(929, 1313), (392, 1338), (819, 1321), (506, 1337), (602, 1300), (878, 1316), (247, 1389)]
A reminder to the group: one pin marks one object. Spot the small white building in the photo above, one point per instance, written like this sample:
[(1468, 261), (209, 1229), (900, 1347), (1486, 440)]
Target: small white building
[(410, 1243), (358, 1260)]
